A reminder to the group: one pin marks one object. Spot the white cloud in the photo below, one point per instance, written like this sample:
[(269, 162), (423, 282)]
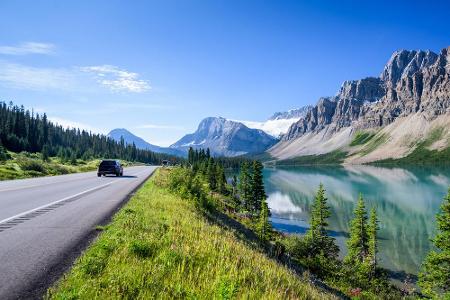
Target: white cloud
[(25, 77), (118, 79), (28, 48), (20, 76), (73, 124), (155, 126)]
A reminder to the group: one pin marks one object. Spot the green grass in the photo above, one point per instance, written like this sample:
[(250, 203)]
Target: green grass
[(422, 155), (373, 143), (160, 246), (335, 157), (26, 165), (361, 138)]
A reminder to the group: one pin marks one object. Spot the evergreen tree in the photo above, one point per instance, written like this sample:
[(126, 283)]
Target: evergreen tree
[(263, 227), (258, 194), (191, 155), (245, 186), (372, 230), (317, 236), (3, 154), (358, 246), (234, 191), (211, 174), (221, 179), (434, 277), (45, 152)]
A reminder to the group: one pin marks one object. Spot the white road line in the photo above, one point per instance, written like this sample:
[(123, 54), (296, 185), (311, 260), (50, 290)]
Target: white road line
[(64, 199), (57, 201), (44, 184)]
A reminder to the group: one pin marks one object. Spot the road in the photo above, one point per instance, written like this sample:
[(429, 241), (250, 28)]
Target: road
[(46, 222)]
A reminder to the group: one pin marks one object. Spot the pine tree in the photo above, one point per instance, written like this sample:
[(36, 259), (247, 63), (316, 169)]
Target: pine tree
[(3, 154), (258, 194), (245, 186), (234, 191), (45, 152), (358, 242), (434, 277), (264, 227), (191, 155), (221, 180), (372, 229), (317, 236), (211, 174)]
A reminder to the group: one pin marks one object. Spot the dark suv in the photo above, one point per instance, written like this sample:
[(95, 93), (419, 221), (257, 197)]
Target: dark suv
[(110, 167)]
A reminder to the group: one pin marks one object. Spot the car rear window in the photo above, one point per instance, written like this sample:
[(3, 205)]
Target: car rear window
[(107, 163)]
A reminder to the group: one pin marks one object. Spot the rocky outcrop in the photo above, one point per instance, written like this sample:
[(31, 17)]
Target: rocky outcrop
[(411, 82)]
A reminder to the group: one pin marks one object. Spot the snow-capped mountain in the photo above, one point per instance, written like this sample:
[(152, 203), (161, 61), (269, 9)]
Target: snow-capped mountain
[(279, 123), (226, 138), (140, 143)]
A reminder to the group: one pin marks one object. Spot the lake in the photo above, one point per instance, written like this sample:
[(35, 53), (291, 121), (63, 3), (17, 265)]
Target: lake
[(406, 201)]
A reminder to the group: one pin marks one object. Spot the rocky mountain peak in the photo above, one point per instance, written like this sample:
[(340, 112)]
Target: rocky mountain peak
[(411, 81), (292, 113), (404, 63), (226, 138)]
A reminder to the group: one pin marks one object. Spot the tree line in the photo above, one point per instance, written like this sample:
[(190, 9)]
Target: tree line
[(24, 130), (245, 196)]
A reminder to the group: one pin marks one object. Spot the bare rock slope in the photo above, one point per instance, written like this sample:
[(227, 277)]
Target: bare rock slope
[(404, 105)]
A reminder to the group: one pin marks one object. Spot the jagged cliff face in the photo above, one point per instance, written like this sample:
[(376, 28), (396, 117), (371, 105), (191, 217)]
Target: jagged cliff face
[(413, 84), (412, 81)]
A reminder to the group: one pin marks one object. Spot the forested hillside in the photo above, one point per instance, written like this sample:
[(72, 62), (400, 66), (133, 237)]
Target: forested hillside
[(24, 130)]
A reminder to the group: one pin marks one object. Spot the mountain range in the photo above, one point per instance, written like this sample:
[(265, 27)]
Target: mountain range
[(129, 138), (226, 138), (375, 118)]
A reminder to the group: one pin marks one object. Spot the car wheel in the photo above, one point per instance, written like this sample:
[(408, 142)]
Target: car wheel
[(121, 174), (99, 175)]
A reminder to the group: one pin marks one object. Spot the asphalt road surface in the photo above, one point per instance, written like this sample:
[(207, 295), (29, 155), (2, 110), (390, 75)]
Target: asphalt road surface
[(46, 222)]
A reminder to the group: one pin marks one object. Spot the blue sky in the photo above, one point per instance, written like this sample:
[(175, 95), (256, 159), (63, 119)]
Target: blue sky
[(158, 67)]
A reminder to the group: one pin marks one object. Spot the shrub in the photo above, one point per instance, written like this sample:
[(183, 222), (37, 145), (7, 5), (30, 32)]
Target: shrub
[(31, 165)]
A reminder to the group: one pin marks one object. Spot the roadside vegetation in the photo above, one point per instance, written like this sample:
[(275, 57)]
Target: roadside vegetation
[(26, 165), (163, 244), (190, 233)]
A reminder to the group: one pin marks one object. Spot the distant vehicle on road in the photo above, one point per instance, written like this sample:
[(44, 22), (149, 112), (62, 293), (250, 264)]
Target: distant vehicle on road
[(110, 167), (165, 163)]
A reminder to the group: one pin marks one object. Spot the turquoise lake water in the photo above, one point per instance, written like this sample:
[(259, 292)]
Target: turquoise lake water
[(406, 201)]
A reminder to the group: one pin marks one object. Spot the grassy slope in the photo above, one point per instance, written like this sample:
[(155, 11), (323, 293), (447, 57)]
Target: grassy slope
[(332, 158), (422, 155), (369, 141), (160, 246), (25, 165)]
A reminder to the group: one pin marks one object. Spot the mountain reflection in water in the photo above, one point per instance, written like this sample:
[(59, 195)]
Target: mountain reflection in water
[(406, 201)]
